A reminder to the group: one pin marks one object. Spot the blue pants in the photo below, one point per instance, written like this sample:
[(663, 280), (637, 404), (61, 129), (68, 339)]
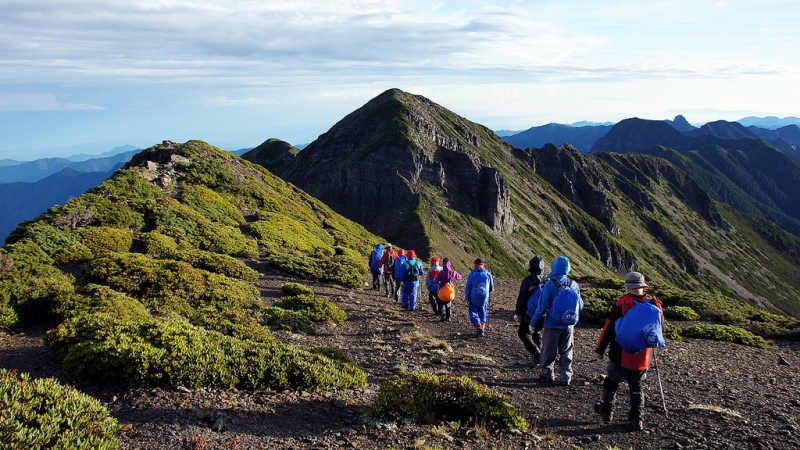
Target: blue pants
[(410, 294), (561, 341), (479, 315)]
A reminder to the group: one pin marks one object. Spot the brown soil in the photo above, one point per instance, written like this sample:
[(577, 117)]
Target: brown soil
[(718, 395)]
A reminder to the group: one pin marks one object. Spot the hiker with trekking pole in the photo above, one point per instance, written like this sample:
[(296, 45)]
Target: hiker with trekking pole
[(633, 327)]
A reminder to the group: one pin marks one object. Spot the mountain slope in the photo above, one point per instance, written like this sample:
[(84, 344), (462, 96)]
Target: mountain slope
[(23, 201), (751, 175), (428, 179)]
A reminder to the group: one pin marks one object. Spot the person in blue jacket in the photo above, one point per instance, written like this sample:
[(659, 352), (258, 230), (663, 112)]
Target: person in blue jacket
[(399, 273), (557, 337), (414, 271), (375, 267), (479, 285)]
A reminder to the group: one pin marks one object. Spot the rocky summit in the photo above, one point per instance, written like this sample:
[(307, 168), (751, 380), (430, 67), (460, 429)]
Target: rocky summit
[(426, 178)]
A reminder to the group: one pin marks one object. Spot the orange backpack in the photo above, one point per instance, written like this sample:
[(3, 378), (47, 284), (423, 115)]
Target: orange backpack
[(447, 292)]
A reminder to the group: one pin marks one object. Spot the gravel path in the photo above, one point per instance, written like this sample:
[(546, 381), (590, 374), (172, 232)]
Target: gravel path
[(718, 395)]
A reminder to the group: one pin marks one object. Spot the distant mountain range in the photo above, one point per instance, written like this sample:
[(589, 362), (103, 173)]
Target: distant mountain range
[(785, 137), (22, 201), (32, 171)]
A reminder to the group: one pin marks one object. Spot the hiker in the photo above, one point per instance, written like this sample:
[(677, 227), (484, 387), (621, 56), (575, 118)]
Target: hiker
[(479, 285), (413, 271), (399, 273), (526, 307), (558, 330), (433, 287), (624, 366), (447, 276), (387, 264), (374, 266)]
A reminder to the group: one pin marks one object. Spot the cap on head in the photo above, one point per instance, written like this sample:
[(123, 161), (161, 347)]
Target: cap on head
[(412, 254), (634, 280), (479, 262), (435, 259), (388, 245)]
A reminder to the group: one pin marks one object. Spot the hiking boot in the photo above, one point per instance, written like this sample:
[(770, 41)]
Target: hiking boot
[(565, 383), (479, 332), (637, 425), (605, 416), (544, 379)]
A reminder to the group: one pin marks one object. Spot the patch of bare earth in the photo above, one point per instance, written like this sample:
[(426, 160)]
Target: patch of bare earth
[(718, 395)]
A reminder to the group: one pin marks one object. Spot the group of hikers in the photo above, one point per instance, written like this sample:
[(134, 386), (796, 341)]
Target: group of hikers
[(547, 309)]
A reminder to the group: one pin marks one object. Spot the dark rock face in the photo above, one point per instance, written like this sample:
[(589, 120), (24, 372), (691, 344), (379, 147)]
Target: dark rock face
[(375, 163)]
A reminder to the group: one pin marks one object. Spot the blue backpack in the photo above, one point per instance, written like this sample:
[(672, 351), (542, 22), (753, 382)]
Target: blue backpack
[(533, 300), (640, 328), (566, 306)]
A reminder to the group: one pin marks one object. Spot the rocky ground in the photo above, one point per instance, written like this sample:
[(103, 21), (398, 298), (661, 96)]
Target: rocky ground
[(718, 395)]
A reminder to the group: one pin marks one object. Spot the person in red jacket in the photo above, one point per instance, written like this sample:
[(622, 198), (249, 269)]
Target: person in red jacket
[(387, 264), (624, 366)]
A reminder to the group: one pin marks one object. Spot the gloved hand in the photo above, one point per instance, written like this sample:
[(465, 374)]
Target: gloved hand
[(532, 330), (516, 318)]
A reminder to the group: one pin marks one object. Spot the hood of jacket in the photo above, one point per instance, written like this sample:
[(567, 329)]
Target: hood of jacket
[(560, 267), (379, 247)]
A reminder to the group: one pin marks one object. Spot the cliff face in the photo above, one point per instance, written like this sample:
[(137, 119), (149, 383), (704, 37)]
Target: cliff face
[(375, 164)]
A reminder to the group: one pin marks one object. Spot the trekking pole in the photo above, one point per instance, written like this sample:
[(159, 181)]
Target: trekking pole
[(660, 387)]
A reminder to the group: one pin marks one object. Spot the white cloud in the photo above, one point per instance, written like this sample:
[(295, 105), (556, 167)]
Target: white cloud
[(18, 102)]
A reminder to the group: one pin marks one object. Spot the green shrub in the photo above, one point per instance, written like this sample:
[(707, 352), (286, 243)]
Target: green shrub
[(287, 320), (339, 269), (775, 319), (597, 303), (427, 398), (102, 240), (293, 288), (75, 253), (725, 333), (334, 353), (158, 244), (234, 322), (100, 347), (31, 283), (91, 209), (45, 414), (684, 313), (96, 298), (318, 309), (279, 232), (49, 238), (212, 205)]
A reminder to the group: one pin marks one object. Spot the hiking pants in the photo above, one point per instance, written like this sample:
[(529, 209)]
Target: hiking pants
[(479, 315), (388, 283), (433, 299), (561, 341), (444, 308), (532, 342), (376, 281), (616, 375), (398, 288), (410, 294)]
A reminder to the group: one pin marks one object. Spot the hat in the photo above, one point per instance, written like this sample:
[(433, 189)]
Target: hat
[(479, 262), (435, 258), (535, 265), (412, 254), (634, 280), (388, 245)]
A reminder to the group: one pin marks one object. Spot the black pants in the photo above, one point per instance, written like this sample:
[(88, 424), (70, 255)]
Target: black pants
[(444, 309), (433, 299), (376, 281), (398, 286), (532, 342), (388, 283), (616, 375)]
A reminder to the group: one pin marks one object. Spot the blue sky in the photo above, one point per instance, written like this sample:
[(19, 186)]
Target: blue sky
[(88, 75)]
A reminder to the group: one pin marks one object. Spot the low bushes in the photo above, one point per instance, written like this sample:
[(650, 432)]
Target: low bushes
[(297, 310), (684, 313), (98, 346), (725, 333), (344, 269), (44, 414), (318, 309), (427, 398)]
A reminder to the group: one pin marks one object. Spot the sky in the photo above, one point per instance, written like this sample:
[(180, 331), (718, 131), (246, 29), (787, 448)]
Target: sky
[(88, 75)]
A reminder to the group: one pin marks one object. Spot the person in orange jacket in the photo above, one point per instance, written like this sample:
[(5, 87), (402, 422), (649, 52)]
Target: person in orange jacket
[(624, 366)]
